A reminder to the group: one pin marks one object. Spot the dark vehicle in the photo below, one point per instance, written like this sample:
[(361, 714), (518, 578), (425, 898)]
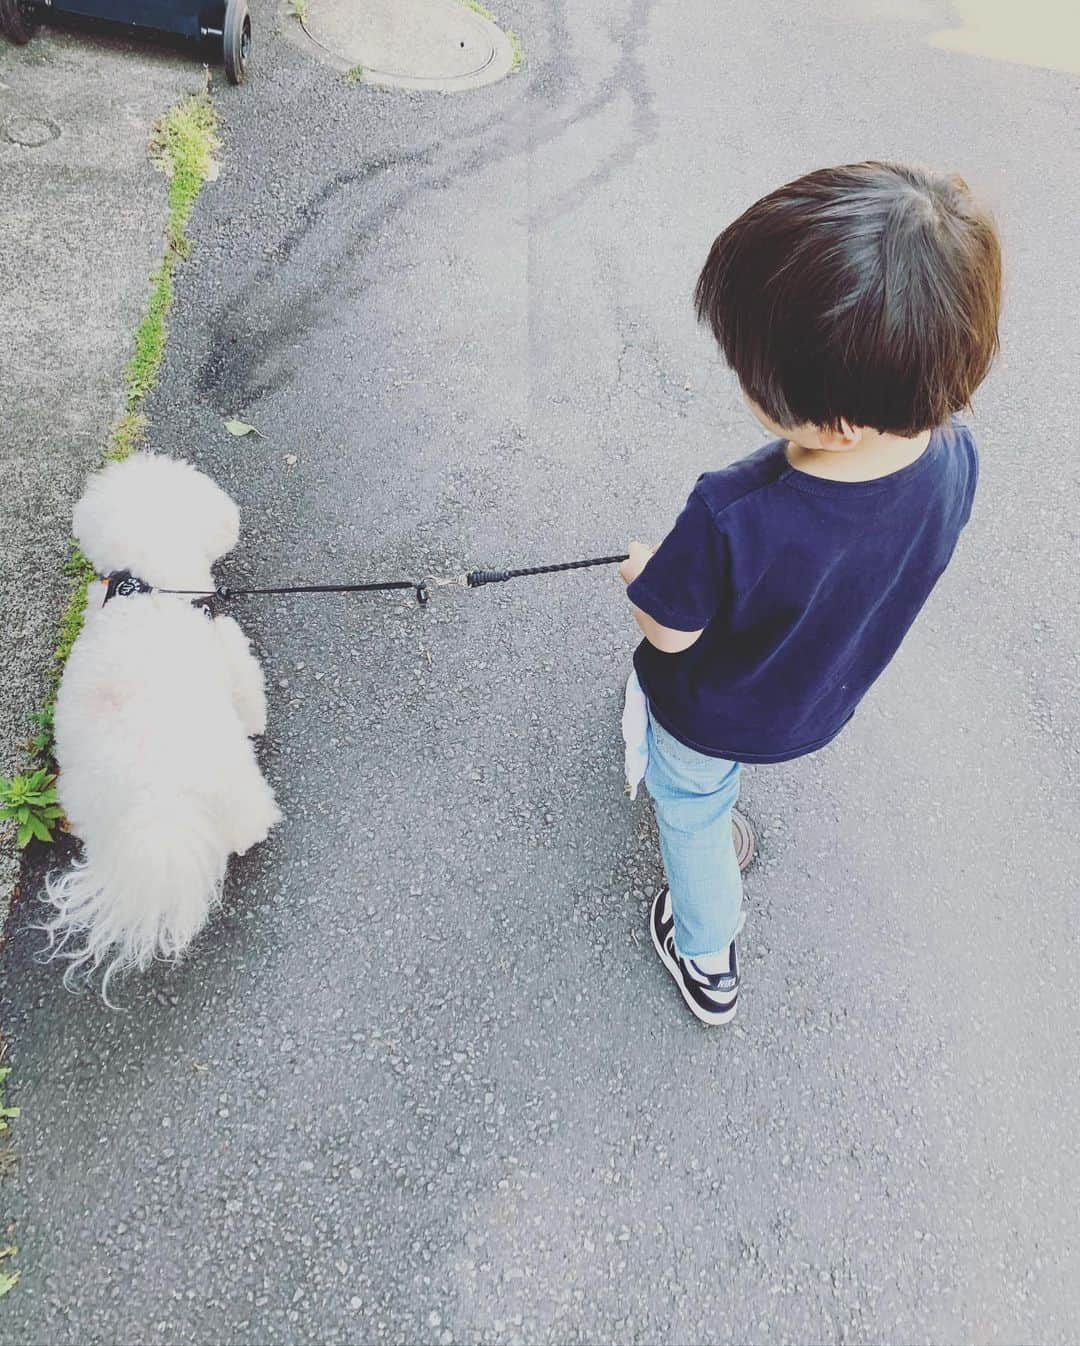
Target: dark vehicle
[(218, 21)]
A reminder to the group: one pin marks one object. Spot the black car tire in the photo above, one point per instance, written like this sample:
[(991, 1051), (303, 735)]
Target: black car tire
[(18, 20), (236, 39)]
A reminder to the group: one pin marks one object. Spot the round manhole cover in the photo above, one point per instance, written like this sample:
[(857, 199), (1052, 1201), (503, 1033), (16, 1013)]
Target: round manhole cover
[(743, 836), (412, 44), (29, 131)]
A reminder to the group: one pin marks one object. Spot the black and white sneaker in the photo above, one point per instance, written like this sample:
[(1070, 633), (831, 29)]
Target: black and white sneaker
[(712, 997)]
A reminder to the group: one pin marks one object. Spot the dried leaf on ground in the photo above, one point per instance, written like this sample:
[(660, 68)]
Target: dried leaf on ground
[(239, 428)]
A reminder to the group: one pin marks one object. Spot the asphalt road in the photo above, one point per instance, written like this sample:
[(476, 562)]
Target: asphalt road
[(424, 1080)]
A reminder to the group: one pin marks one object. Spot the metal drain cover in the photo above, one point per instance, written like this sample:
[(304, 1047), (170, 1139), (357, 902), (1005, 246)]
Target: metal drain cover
[(412, 44), (743, 836)]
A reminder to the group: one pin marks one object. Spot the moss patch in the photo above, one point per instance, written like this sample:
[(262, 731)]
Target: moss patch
[(81, 573), (183, 148), (150, 336), (126, 436)]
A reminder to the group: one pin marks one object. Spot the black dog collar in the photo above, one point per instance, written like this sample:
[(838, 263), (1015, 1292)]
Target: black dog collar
[(126, 585)]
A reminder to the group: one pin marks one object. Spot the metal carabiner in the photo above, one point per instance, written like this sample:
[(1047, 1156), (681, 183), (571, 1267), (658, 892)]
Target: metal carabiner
[(430, 582)]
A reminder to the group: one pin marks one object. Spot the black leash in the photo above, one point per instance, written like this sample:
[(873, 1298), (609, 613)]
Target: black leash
[(224, 591), (473, 579)]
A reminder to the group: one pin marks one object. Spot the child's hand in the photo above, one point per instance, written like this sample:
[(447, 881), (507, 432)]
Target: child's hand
[(636, 562)]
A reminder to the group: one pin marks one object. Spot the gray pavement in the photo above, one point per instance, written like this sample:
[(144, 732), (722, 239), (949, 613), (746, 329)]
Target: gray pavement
[(424, 1080), (81, 218)]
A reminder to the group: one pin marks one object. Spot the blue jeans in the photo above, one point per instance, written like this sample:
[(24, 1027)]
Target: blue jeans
[(694, 796)]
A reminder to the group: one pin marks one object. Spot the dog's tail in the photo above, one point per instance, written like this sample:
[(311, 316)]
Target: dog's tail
[(144, 894)]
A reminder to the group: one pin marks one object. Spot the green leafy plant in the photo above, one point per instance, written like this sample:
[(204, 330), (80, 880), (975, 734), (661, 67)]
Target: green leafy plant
[(30, 803), (298, 9), (354, 74), (41, 745)]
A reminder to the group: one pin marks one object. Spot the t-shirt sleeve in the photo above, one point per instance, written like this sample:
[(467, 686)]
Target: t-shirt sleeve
[(684, 583), (973, 475)]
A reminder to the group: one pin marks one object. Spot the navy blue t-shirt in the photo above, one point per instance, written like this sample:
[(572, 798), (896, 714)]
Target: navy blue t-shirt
[(804, 589)]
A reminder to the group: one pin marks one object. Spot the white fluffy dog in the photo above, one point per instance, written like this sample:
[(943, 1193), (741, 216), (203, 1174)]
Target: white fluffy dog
[(154, 716)]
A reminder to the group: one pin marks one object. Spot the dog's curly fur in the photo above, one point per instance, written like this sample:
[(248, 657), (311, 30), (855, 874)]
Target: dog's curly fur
[(154, 716)]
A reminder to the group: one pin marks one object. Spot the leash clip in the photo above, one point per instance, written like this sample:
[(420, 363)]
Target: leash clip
[(430, 582)]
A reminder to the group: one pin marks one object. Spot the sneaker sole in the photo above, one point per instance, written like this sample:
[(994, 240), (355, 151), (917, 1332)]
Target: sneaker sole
[(713, 1019)]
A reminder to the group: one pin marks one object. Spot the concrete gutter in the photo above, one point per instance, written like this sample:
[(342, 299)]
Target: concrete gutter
[(82, 213)]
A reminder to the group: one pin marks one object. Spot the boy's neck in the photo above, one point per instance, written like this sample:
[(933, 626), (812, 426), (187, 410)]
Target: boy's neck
[(875, 455)]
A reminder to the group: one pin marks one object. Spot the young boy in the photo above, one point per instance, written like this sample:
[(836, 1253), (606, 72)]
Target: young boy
[(858, 307)]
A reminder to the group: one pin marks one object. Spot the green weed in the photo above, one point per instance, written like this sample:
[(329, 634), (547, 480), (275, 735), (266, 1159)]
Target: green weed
[(81, 572), (150, 335), (126, 436), (183, 148), (354, 75), (43, 742), (30, 803)]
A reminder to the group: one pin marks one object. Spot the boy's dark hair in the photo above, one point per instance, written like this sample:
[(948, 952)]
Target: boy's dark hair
[(868, 293)]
